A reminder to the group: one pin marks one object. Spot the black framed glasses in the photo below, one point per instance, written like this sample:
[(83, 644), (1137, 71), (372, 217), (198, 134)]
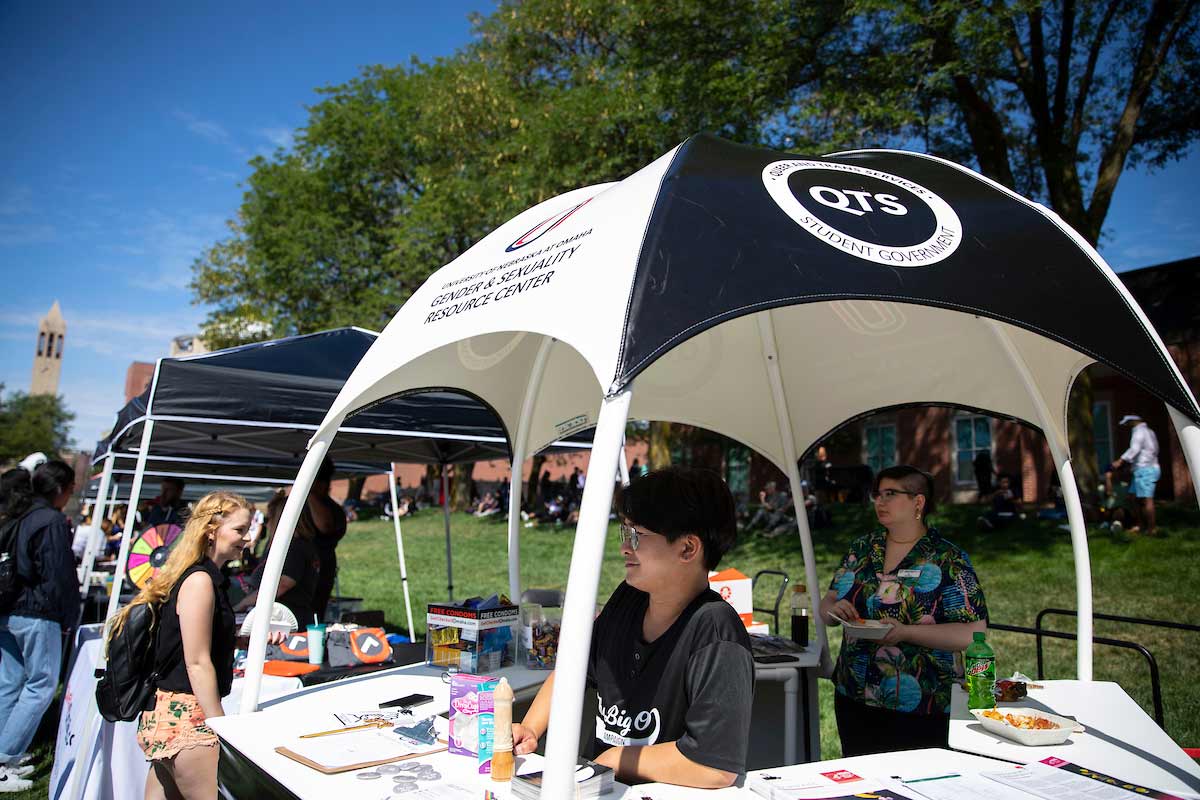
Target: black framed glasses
[(632, 535), (890, 494)]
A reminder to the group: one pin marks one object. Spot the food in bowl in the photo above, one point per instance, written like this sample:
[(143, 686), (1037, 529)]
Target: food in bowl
[(1027, 722)]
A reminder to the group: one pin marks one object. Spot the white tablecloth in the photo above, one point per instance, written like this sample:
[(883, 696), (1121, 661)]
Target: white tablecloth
[(1121, 739)]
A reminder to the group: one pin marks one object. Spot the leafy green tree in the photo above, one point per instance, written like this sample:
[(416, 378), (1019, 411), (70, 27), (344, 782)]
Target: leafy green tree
[(33, 423)]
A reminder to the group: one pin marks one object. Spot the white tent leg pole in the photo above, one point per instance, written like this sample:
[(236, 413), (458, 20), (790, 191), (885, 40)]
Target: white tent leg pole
[(1189, 439), (400, 551), (1061, 453), (587, 555), (783, 419), (516, 486), (280, 541), (446, 517), (135, 492), (89, 553)]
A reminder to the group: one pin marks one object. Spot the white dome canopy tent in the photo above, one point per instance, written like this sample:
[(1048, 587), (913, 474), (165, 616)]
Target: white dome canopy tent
[(767, 297)]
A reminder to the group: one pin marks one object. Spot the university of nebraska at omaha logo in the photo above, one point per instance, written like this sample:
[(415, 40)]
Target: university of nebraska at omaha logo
[(545, 226)]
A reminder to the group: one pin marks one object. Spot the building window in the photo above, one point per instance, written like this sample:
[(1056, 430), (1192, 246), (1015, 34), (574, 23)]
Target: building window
[(1103, 433), (42, 343), (879, 446), (59, 346), (972, 436)]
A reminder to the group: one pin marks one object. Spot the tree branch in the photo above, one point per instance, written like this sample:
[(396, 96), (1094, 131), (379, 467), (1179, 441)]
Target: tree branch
[(1089, 73), (1066, 43), (1160, 32)]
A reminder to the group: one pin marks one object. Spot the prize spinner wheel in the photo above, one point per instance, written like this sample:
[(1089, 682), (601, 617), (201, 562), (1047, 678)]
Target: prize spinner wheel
[(149, 552)]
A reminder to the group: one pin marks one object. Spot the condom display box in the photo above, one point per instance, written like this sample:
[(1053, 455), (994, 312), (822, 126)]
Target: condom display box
[(474, 640)]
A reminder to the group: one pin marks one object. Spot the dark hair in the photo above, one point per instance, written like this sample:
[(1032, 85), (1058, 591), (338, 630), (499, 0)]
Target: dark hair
[(16, 493), (678, 501), (52, 479), (326, 470), (176, 482), (914, 480)]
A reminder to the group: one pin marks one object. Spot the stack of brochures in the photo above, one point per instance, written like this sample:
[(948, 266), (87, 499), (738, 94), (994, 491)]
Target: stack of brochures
[(591, 780)]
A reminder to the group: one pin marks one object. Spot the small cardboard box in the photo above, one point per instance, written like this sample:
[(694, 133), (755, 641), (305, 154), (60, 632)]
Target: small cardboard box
[(737, 590), (470, 712), (475, 641)]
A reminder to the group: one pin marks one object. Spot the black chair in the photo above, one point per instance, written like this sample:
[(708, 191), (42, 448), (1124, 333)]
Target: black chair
[(774, 612)]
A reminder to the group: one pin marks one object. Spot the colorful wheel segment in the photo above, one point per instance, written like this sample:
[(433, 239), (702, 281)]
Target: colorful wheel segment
[(149, 552)]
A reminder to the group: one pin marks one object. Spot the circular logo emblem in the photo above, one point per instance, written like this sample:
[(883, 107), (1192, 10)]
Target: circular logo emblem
[(872, 215)]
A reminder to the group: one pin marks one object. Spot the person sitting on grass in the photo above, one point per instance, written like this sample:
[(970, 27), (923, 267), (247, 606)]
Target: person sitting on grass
[(1006, 505), (670, 660)]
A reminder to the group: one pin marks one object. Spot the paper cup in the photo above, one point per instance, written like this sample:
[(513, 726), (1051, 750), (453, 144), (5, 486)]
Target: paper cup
[(316, 644)]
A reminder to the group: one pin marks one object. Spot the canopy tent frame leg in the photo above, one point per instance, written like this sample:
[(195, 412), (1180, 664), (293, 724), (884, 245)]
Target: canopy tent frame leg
[(783, 419), (579, 608), (280, 542), (1189, 439), (102, 503), (446, 518), (622, 465), (400, 551), (1061, 453), (78, 775), (516, 485)]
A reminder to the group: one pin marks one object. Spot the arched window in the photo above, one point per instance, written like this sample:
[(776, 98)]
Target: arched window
[(58, 349), (42, 343)]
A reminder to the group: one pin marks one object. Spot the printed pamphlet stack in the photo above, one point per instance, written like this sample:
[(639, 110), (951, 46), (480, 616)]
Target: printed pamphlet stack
[(591, 780)]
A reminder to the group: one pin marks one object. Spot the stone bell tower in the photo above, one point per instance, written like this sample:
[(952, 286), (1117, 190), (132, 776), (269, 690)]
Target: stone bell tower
[(47, 359)]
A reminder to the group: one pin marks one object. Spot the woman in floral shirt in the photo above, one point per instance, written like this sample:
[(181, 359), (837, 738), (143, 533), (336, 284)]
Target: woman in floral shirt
[(894, 693)]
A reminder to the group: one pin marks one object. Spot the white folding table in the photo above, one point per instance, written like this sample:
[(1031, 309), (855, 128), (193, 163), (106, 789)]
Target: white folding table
[(1120, 740)]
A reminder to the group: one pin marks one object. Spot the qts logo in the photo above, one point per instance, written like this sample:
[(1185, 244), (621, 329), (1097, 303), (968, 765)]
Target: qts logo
[(872, 215)]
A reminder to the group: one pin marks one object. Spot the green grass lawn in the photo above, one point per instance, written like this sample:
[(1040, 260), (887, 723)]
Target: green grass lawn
[(1023, 569)]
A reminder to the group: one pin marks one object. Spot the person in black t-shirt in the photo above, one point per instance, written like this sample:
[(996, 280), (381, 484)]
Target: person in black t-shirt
[(670, 660), (299, 583)]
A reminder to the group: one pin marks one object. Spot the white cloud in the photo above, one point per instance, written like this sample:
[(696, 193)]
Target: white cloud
[(215, 175), (168, 244), (14, 234), (15, 200), (209, 129), (279, 137)]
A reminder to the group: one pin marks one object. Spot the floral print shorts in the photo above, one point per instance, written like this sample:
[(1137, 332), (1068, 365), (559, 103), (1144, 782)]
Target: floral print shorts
[(175, 724)]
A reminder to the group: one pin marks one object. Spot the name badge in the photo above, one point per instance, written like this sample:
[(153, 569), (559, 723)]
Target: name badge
[(909, 573)]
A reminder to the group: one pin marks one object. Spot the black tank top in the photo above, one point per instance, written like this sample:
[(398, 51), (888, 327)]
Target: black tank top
[(171, 665)]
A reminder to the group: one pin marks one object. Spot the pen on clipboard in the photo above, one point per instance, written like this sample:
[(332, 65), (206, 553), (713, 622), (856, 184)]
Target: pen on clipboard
[(335, 731), (924, 780)]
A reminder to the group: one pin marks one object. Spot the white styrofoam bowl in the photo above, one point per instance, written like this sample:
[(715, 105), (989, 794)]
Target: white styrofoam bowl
[(1023, 736)]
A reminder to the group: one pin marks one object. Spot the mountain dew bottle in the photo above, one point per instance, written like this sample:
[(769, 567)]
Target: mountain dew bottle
[(981, 673)]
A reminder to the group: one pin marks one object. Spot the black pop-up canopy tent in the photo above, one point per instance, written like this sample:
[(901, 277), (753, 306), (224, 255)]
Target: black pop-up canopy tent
[(244, 415), (767, 297)]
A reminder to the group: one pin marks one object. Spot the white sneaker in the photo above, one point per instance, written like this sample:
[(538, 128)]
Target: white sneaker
[(22, 770), (10, 782)]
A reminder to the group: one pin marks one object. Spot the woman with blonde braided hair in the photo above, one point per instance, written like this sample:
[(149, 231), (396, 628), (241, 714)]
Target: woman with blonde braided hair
[(194, 649)]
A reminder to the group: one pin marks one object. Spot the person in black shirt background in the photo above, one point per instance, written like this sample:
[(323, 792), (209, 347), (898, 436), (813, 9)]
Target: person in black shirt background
[(670, 660), (170, 507)]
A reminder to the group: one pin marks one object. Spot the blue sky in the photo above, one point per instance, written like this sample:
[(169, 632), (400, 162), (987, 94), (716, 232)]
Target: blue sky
[(127, 128)]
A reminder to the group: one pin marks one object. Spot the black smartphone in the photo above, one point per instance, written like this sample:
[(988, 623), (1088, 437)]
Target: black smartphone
[(408, 701), (775, 659)]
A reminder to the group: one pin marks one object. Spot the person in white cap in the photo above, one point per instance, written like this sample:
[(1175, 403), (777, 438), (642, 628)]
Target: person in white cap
[(1142, 455)]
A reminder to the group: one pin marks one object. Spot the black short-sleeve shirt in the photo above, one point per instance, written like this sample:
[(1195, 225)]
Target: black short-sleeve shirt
[(693, 685)]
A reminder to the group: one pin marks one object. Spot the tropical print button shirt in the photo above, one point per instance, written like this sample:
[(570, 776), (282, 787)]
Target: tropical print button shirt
[(934, 583)]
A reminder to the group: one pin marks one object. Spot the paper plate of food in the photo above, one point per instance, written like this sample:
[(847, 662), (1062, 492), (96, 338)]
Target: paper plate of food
[(861, 628), (1027, 726)]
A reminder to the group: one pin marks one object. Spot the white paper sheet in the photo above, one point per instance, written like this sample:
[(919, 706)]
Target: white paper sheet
[(966, 787)]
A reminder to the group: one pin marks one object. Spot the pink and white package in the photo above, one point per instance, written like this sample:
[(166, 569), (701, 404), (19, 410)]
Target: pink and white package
[(470, 701)]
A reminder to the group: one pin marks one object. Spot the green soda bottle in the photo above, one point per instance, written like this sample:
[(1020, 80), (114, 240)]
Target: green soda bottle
[(981, 673)]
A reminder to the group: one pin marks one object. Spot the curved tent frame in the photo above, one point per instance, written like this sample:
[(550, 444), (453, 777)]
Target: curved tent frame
[(766, 297)]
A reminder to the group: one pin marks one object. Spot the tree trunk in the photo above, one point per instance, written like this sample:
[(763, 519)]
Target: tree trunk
[(1081, 436), (462, 483), (659, 454), (535, 472)]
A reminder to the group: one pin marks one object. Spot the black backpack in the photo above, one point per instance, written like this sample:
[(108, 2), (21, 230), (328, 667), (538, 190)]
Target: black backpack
[(126, 688), (10, 581)]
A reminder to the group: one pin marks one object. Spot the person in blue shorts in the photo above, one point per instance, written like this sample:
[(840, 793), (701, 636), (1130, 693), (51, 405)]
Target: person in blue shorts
[(1143, 456)]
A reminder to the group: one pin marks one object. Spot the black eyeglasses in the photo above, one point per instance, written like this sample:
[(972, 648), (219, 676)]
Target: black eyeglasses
[(890, 494), (631, 534)]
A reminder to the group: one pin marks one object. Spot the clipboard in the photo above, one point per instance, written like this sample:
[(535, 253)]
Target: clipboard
[(325, 770)]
